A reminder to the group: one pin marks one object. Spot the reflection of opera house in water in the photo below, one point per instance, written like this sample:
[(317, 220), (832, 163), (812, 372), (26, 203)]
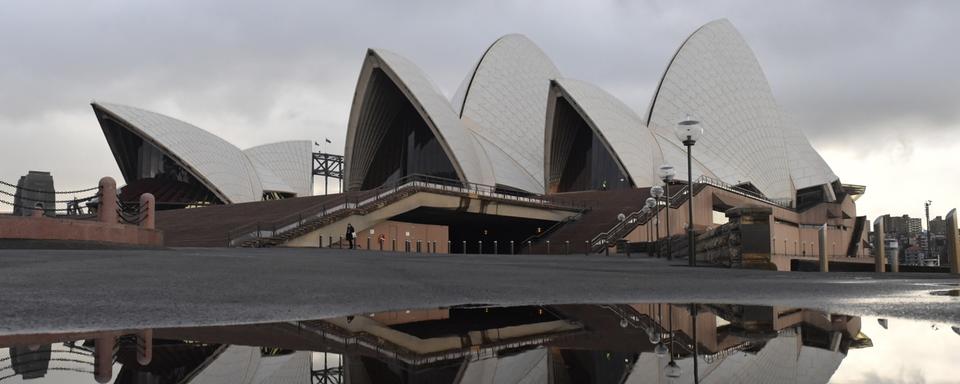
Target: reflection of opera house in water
[(529, 344)]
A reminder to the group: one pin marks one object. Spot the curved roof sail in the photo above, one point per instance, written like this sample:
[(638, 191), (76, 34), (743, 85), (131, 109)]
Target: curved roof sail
[(504, 99), (218, 165), (370, 117), (715, 78)]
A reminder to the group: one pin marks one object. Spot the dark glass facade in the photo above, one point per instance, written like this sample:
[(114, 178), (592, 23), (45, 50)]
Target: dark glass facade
[(406, 145), (585, 162)]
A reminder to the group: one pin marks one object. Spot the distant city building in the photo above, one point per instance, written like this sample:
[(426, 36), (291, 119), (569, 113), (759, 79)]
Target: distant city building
[(938, 226)]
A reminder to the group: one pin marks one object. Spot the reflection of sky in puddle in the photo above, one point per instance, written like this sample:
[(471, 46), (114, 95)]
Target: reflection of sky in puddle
[(907, 352), (530, 344)]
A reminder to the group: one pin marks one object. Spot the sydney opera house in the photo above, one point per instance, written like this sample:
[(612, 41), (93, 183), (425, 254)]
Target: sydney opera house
[(517, 127)]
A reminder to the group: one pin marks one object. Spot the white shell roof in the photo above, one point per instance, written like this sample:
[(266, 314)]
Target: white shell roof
[(233, 175), (221, 166), (505, 99), (618, 126), (783, 359), (463, 151), (291, 161), (715, 78)]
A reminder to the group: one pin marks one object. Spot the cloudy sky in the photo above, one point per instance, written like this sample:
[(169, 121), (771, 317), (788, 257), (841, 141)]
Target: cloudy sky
[(874, 84)]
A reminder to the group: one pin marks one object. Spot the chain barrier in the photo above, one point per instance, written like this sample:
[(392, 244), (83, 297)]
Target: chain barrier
[(131, 213), (54, 192), (88, 198)]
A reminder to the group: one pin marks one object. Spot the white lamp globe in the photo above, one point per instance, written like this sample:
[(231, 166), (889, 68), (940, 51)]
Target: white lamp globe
[(656, 191), (689, 131), (666, 172), (672, 370), (651, 202)]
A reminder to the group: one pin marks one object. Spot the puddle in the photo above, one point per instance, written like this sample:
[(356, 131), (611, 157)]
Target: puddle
[(577, 343), (949, 292)]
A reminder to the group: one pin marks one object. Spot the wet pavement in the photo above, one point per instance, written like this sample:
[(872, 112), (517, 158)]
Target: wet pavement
[(96, 290)]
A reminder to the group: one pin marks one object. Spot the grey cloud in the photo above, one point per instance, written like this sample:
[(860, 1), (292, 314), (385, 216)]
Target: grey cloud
[(254, 71)]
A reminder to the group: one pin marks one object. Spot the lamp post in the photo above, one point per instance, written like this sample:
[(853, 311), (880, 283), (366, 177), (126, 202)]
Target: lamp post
[(652, 205), (666, 174), (643, 212), (689, 131)]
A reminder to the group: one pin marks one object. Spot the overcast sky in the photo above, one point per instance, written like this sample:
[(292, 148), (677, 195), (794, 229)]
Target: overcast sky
[(874, 84)]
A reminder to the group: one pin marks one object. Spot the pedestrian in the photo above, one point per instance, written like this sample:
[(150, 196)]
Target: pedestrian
[(350, 235)]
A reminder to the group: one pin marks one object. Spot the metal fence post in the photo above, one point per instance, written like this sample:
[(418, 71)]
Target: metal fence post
[(495, 250), (586, 247), (449, 247), (568, 247), (464, 247), (511, 247), (480, 247), (548, 247)]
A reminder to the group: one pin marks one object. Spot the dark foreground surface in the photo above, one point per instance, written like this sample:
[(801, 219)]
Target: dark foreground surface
[(59, 290)]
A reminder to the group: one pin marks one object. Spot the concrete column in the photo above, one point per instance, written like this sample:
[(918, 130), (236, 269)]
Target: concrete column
[(878, 250), (824, 258), (107, 211), (148, 207), (953, 242)]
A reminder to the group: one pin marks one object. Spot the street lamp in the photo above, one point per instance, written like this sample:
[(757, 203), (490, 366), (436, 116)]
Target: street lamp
[(643, 212), (657, 192), (651, 207), (666, 173), (689, 131)]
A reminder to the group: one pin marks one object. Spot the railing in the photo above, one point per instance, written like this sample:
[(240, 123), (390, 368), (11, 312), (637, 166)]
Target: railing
[(638, 218), (389, 193), (783, 203)]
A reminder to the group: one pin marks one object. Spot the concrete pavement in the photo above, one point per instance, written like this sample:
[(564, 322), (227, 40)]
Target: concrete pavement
[(74, 290)]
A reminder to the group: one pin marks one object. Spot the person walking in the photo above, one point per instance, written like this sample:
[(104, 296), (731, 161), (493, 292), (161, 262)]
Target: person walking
[(350, 235)]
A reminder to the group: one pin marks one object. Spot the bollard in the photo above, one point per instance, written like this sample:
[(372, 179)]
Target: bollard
[(434, 246), (495, 247), (824, 259), (393, 245), (330, 242), (107, 213), (511, 247), (145, 347), (953, 242), (567, 251), (449, 247), (320, 241), (586, 247), (626, 247), (548, 247), (148, 209), (529, 247), (103, 358), (368, 243), (341, 242), (878, 261), (480, 247), (464, 247)]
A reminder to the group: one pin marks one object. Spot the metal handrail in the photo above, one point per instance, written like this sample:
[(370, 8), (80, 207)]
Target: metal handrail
[(412, 183)]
